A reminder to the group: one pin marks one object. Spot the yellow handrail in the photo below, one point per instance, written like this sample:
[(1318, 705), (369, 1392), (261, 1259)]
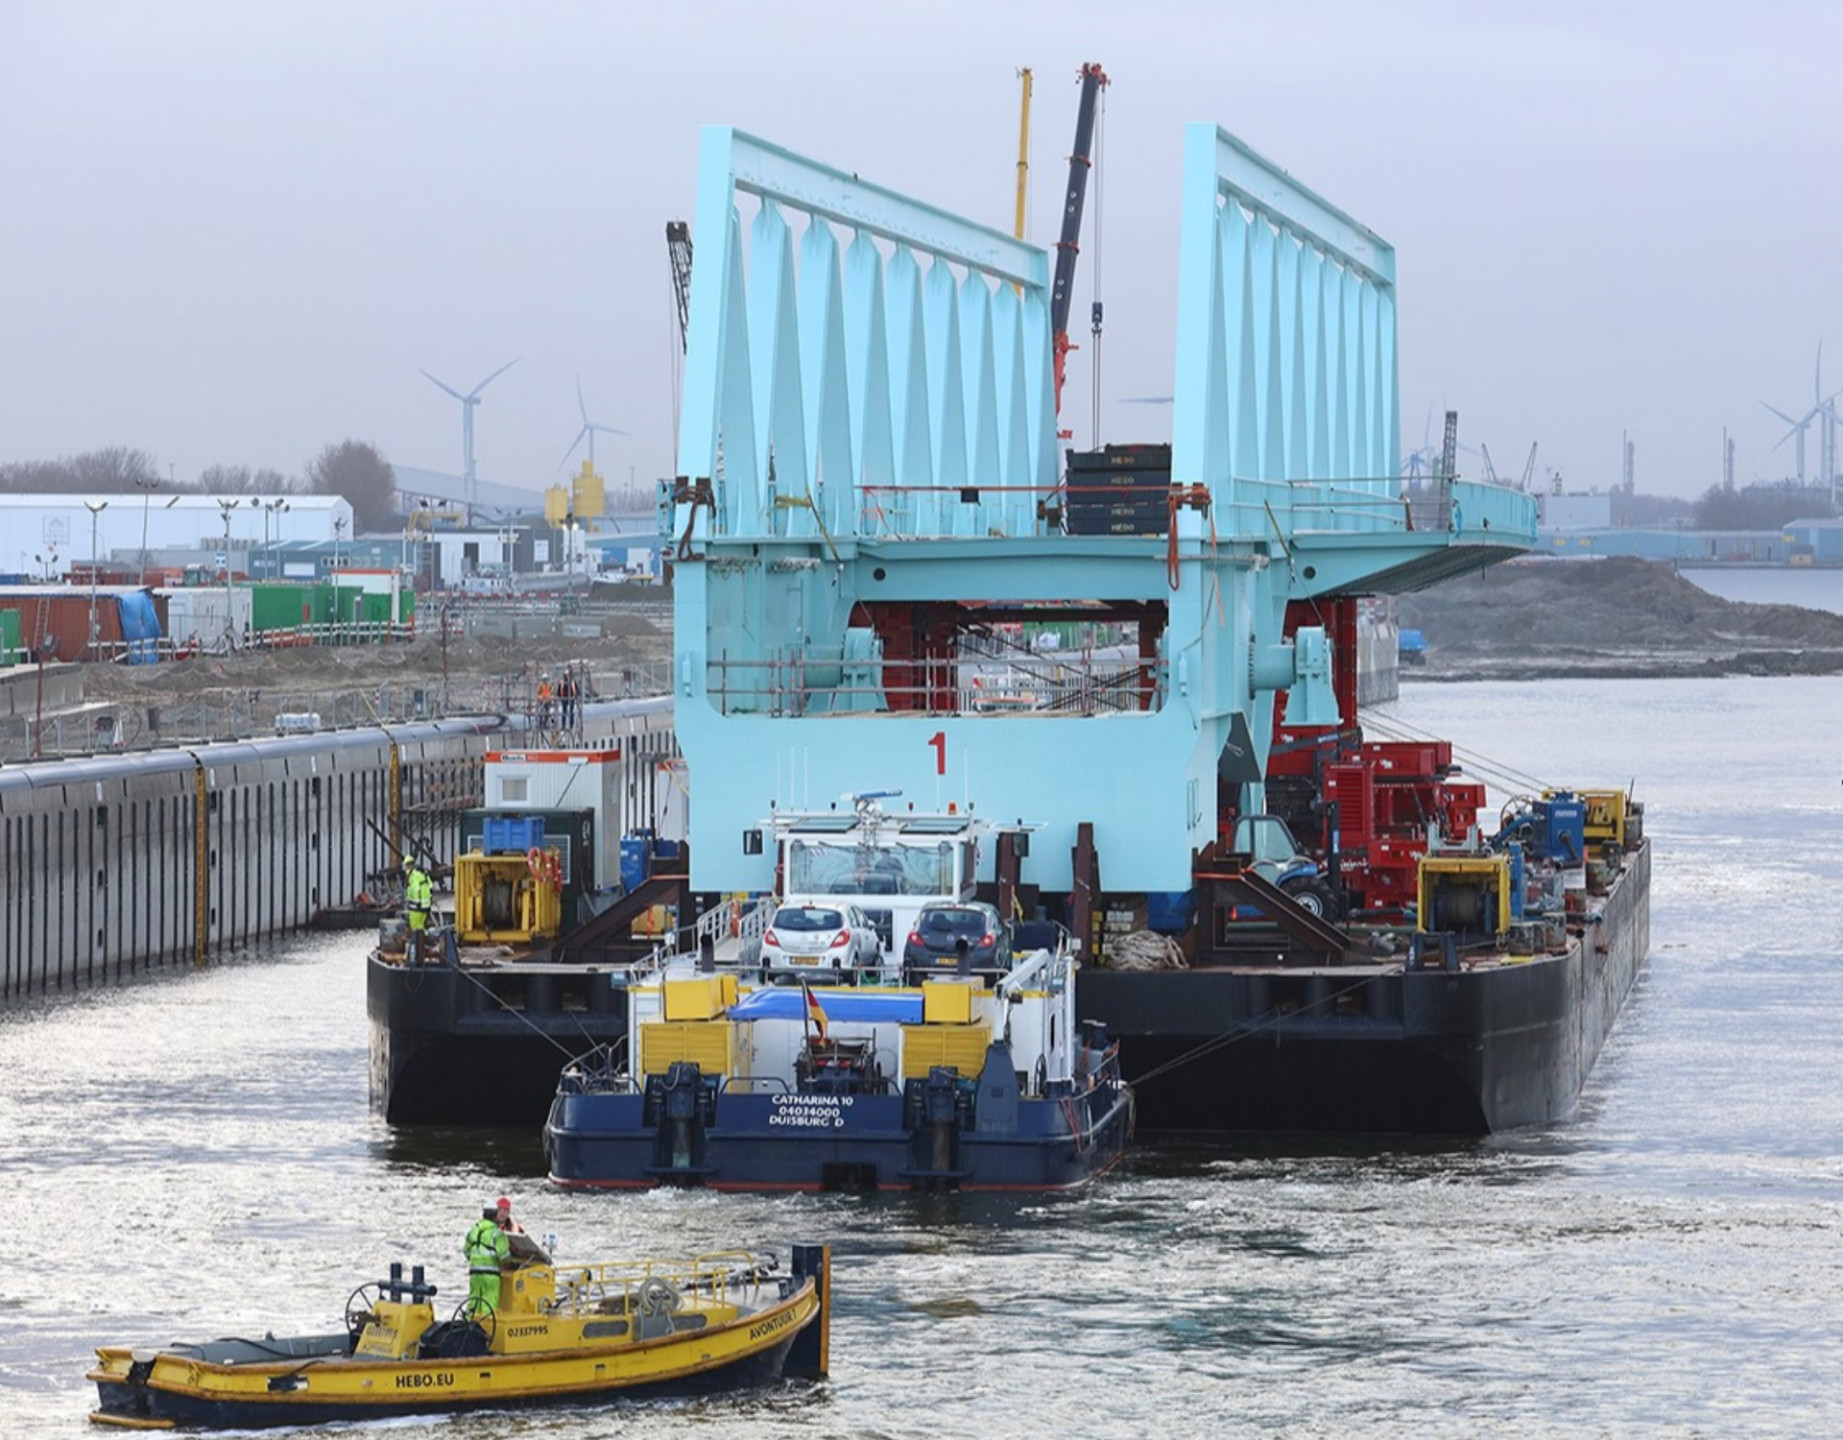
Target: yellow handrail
[(583, 1288)]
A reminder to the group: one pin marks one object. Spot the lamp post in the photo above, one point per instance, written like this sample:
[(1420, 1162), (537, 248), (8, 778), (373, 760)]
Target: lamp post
[(95, 507), (146, 484), (229, 625), (271, 507), (339, 530)]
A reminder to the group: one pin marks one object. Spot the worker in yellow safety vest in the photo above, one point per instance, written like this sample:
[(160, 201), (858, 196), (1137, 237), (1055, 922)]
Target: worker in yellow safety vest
[(418, 893), (487, 1248), (418, 898)]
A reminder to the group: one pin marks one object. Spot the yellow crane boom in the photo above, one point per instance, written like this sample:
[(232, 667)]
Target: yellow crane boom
[(1023, 149)]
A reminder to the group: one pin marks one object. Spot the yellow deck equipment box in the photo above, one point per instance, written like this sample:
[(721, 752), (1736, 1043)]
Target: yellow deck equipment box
[(946, 1002), (703, 997), (961, 1048)]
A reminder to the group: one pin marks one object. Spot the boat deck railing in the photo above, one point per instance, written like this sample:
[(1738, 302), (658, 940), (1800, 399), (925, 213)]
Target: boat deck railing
[(646, 1286), (601, 1071)]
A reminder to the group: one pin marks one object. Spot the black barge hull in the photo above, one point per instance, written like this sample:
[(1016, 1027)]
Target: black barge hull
[(1348, 1049), (1377, 1049), (483, 1045)]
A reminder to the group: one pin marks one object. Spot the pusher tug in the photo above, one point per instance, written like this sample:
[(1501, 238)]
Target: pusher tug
[(965, 1082)]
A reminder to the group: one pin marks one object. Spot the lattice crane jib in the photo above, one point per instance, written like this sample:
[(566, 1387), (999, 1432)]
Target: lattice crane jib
[(678, 254)]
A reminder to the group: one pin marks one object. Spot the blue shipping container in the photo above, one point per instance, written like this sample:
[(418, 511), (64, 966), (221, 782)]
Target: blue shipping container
[(513, 834), (636, 860)]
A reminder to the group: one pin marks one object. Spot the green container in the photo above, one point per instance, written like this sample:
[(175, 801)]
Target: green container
[(282, 605), (278, 605), (10, 643)]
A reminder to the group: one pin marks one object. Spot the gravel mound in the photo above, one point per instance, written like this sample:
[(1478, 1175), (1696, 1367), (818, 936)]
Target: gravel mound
[(1617, 616)]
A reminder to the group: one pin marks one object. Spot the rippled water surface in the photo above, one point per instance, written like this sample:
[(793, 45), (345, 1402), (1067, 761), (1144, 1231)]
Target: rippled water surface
[(194, 1156)]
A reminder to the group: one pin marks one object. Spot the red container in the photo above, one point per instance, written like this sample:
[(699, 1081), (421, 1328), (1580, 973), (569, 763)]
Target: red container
[(63, 616)]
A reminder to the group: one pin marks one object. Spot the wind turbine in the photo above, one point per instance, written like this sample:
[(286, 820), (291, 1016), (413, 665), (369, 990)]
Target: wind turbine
[(1822, 408), (468, 401), (1831, 420), (589, 428), (1423, 461)]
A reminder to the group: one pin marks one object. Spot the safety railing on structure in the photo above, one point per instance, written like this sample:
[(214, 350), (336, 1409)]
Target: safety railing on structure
[(806, 681), (1257, 510), (1441, 505)]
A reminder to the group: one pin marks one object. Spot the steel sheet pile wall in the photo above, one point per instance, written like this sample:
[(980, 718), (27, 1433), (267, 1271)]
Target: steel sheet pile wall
[(114, 864), (96, 860)]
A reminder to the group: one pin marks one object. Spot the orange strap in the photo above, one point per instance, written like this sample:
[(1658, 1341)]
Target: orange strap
[(1195, 497)]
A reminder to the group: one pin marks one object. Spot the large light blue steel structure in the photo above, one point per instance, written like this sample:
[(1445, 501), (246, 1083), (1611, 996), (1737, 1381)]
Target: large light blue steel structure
[(868, 396)]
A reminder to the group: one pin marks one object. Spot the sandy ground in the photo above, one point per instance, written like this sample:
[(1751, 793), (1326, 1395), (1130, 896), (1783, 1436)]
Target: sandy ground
[(479, 671)]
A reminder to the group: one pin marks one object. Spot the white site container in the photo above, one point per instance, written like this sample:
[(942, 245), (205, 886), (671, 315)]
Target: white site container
[(205, 614), (590, 779), (374, 582)]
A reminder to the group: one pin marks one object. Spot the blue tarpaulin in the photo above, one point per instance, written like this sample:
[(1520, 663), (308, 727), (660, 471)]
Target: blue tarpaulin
[(140, 627), (784, 1002)]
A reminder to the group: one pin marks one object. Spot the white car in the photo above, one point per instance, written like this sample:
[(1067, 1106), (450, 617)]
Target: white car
[(817, 937)]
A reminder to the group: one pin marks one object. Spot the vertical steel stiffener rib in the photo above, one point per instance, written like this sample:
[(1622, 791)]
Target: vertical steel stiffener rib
[(896, 360)]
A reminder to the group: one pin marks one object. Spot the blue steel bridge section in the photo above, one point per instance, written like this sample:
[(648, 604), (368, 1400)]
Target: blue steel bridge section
[(868, 424)]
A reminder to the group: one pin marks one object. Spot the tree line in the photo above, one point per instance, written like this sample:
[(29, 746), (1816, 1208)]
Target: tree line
[(1766, 505), (352, 469)]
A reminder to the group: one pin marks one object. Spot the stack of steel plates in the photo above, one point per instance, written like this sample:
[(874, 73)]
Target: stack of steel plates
[(1119, 490)]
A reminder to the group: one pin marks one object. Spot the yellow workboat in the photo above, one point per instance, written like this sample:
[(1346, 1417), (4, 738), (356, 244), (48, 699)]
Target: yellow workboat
[(569, 1335)]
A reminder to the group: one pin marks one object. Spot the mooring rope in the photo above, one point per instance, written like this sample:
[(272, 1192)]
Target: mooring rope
[(526, 1020)]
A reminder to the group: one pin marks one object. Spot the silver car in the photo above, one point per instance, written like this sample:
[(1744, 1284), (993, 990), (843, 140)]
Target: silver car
[(811, 937)]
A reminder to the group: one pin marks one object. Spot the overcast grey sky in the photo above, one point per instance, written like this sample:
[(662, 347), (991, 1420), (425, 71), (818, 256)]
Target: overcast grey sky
[(234, 232)]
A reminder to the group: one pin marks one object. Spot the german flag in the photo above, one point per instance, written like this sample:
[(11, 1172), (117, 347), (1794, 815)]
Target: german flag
[(815, 1012)]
